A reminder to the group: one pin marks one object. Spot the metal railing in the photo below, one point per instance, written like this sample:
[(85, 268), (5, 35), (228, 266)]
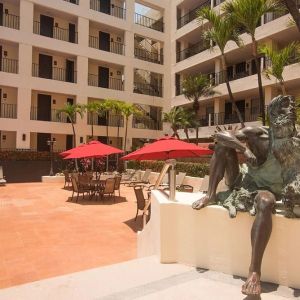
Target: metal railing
[(191, 51), (217, 2), (9, 65), (146, 123), (8, 111), (268, 17), (112, 83), (55, 116), (61, 34), (192, 15), (113, 10), (146, 55), (114, 47), (148, 22), (147, 89), (10, 21), (55, 73), (73, 1), (114, 120)]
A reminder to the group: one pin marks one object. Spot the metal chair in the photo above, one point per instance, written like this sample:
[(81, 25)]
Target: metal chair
[(140, 200), (144, 180), (2, 178), (108, 189), (68, 180), (118, 184), (76, 188)]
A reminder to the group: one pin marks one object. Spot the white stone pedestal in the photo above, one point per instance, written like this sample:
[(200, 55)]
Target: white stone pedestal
[(210, 239), (53, 179)]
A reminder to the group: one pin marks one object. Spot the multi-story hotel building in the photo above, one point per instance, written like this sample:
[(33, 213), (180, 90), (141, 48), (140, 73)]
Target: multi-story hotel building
[(193, 57), (77, 51)]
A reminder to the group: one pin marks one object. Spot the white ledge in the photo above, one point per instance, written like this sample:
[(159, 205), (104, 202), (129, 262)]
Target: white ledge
[(210, 239)]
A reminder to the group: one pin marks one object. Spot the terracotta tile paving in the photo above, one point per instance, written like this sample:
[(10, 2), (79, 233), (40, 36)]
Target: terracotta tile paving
[(43, 234)]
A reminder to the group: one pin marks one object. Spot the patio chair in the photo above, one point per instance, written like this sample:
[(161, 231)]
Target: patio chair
[(84, 182), (140, 200), (118, 184), (2, 178), (128, 177), (76, 188), (108, 189), (68, 180), (144, 180)]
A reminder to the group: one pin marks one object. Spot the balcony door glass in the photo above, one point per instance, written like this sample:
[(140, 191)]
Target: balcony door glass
[(70, 68), (104, 41), (46, 26), (44, 107), (103, 77), (72, 33), (105, 6), (0, 58), (42, 139), (69, 141), (1, 14), (45, 66)]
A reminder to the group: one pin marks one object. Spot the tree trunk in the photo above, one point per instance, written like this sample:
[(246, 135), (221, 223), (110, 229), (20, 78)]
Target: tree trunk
[(186, 131), (260, 87), (107, 139), (118, 135), (125, 136), (175, 132), (294, 11), (74, 143), (281, 82), (196, 107), (235, 108)]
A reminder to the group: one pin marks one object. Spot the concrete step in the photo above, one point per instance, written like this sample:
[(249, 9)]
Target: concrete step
[(143, 278)]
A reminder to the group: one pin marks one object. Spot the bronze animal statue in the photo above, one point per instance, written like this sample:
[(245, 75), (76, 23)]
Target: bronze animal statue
[(272, 173)]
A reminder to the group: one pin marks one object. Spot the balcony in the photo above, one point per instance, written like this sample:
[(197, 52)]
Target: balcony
[(54, 73), (114, 120), (113, 47), (191, 51), (53, 115), (56, 32), (148, 22), (192, 15), (275, 15), (10, 21), (146, 55), (147, 89), (8, 111), (107, 83), (146, 123), (9, 65), (73, 1), (109, 9)]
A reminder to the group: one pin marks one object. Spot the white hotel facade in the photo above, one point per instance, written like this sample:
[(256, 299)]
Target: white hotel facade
[(78, 51)]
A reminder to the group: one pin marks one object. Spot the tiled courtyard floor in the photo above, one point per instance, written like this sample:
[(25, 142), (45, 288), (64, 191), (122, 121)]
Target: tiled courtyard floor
[(43, 234)]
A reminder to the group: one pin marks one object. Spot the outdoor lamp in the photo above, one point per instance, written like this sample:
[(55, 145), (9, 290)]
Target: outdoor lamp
[(51, 143)]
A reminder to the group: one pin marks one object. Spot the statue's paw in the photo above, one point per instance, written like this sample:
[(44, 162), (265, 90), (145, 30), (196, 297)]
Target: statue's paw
[(200, 203), (241, 207), (232, 211), (252, 286), (252, 211)]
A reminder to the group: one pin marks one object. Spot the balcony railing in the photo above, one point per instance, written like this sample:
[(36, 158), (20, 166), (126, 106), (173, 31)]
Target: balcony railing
[(8, 111), (148, 22), (54, 73), (58, 33), (54, 116), (113, 47), (146, 123), (268, 17), (10, 21), (73, 1), (191, 51), (112, 10), (192, 15), (110, 83), (217, 2), (114, 120), (148, 56), (9, 65), (147, 89)]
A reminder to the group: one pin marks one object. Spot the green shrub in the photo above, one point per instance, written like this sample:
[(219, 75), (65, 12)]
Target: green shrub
[(190, 168)]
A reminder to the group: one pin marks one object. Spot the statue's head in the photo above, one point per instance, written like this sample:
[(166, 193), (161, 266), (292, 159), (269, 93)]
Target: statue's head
[(282, 115)]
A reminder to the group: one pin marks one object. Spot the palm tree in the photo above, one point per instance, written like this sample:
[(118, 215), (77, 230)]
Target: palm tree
[(188, 121), (128, 110), (93, 109), (279, 59), (174, 118), (293, 9), (194, 87), (247, 14), (71, 111), (221, 30)]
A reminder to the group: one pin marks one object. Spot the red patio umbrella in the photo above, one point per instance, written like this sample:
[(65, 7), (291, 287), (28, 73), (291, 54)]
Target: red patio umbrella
[(167, 148), (92, 149)]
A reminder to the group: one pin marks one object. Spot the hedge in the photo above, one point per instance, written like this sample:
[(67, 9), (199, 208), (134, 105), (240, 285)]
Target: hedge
[(190, 168)]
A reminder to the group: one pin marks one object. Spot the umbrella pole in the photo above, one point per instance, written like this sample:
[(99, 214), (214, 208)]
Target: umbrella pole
[(172, 180)]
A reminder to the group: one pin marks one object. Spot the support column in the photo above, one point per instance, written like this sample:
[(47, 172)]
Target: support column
[(83, 31), (269, 94), (128, 69), (23, 139), (219, 110), (82, 72), (26, 16)]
